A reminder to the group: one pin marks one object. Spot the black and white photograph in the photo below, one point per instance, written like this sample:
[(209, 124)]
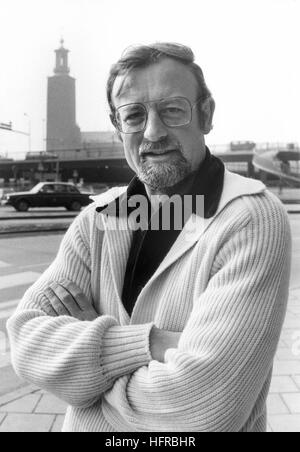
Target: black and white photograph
[(150, 219)]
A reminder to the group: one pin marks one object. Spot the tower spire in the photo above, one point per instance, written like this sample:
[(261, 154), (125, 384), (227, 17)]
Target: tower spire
[(62, 67)]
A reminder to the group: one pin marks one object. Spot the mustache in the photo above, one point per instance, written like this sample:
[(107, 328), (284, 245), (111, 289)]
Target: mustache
[(161, 145)]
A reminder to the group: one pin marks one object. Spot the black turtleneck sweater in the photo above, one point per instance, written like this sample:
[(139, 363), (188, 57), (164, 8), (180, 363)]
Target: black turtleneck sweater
[(150, 247)]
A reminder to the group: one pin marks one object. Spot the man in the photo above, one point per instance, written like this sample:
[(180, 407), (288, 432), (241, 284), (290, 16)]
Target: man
[(144, 329)]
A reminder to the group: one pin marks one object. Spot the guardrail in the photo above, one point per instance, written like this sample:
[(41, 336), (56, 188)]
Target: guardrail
[(268, 160)]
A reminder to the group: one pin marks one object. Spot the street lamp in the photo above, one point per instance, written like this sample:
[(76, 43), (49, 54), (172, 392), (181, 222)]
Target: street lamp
[(29, 131), (44, 135), (6, 126)]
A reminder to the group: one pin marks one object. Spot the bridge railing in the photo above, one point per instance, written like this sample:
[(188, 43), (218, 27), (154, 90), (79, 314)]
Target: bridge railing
[(269, 160)]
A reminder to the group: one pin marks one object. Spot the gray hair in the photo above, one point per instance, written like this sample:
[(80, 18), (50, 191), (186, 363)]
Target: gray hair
[(143, 56)]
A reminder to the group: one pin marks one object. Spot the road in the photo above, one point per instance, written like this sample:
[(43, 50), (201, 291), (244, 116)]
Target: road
[(23, 259)]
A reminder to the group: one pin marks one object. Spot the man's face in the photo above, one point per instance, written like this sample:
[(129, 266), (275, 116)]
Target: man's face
[(161, 156)]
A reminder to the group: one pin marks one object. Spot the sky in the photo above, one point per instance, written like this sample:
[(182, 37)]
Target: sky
[(249, 51)]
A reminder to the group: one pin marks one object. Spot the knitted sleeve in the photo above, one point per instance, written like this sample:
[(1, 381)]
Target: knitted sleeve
[(213, 380), (73, 359)]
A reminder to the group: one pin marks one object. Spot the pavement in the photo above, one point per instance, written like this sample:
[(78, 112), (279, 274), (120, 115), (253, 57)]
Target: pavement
[(31, 410), (24, 408)]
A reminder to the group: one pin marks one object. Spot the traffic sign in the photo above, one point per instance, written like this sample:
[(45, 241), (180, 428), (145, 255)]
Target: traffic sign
[(6, 126)]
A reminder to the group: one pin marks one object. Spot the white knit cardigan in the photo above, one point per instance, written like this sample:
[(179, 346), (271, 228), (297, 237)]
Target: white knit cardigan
[(224, 285)]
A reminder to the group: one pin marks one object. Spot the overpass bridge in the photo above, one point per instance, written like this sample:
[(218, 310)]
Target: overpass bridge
[(279, 161), (108, 165)]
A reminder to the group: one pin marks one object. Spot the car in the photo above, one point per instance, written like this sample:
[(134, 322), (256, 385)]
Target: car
[(49, 194)]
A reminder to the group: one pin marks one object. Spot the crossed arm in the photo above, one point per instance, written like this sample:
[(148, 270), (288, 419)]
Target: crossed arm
[(59, 341), (66, 299)]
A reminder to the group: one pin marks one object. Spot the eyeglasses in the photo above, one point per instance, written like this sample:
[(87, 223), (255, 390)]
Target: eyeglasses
[(173, 112)]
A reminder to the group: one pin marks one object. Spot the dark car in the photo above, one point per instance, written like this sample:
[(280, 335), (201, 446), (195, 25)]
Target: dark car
[(49, 194)]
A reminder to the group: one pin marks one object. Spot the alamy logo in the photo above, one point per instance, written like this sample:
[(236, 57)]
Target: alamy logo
[(165, 213)]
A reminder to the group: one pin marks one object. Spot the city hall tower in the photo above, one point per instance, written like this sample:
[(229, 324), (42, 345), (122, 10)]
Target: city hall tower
[(63, 134)]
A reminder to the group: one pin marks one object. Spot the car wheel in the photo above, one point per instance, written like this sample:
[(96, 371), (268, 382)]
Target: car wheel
[(75, 206), (22, 206)]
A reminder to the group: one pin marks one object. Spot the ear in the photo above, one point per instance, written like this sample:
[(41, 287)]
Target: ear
[(207, 113), (113, 121)]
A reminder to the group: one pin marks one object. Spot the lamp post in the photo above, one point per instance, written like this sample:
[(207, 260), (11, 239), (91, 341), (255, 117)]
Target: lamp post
[(29, 131), (7, 126), (44, 135)]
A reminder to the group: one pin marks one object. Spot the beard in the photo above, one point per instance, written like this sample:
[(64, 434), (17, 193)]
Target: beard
[(163, 175)]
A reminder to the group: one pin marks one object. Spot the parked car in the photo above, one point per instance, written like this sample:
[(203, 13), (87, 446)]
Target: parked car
[(49, 194)]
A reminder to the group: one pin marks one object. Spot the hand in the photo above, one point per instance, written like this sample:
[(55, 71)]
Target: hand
[(67, 299), (161, 341)]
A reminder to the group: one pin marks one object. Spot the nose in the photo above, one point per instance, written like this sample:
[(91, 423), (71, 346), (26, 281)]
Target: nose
[(155, 129)]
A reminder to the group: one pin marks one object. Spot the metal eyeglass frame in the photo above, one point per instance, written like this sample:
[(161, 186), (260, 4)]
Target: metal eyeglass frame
[(143, 104)]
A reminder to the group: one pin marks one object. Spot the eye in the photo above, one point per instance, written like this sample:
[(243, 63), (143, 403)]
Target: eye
[(132, 115), (172, 110), (136, 116)]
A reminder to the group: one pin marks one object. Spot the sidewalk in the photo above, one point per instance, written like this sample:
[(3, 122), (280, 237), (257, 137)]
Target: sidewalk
[(32, 410), (284, 398)]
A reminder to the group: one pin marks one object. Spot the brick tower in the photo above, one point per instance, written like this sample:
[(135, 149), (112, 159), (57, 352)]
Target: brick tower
[(63, 134)]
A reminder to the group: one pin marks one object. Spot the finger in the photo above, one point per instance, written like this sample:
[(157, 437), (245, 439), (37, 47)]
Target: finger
[(46, 306), (56, 303), (76, 293), (86, 310), (66, 299), (88, 315), (84, 303), (81, 299), (86, 306)]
